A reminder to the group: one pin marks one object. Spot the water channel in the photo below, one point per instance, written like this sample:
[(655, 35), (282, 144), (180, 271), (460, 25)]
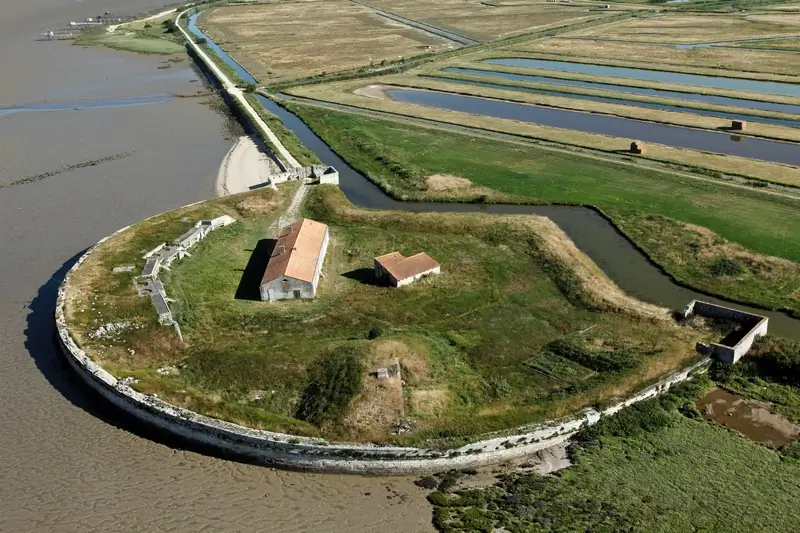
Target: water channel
[(634, 103), (661, 76), (705, 98), (676, 136), (591, 232)]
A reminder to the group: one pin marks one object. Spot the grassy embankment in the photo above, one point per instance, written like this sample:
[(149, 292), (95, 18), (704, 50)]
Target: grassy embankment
[(156, 36), (659, 116), (400, 158), (646, 469), (698, 257), (715, 165), (290, 366)]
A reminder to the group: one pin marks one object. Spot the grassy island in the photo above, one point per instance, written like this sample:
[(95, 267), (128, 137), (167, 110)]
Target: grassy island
[(519, 327)]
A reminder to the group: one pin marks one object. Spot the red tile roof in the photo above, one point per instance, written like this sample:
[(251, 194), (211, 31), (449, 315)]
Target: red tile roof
[(401, 267), (296, 252)]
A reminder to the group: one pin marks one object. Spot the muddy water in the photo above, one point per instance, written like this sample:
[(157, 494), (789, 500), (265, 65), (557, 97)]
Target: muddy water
[(752, 418), (676, 136), (67, 461), (718, 82), (634, 103), (710, 99)]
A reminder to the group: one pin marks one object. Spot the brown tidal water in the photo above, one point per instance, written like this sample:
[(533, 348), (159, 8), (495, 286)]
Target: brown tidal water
[(68, 462)]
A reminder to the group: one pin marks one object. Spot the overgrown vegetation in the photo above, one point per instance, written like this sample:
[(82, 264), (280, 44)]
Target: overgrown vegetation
[(333, 381), (647, 468), (703, 259), (143, 38), (770, 372)]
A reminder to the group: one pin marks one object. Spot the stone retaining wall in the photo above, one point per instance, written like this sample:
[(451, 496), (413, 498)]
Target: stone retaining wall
[(313, 453)]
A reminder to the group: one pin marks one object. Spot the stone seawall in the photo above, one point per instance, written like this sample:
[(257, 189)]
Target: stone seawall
[(271, 448)]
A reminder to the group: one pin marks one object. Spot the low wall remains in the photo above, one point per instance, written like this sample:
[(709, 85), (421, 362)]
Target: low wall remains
[(316, 454), (323, 173), (754, 326)]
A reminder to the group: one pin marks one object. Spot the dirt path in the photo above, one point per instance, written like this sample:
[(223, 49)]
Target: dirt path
[(243, 167)]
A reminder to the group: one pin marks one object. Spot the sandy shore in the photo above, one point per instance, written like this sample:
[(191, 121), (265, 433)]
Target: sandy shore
[(243, 167)]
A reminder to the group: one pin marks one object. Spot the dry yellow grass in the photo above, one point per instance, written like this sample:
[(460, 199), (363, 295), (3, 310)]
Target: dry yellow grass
[(343, 93), (742, 63), (621, 110), (698, 28), (484, 22), (297, 39), (446, 182)]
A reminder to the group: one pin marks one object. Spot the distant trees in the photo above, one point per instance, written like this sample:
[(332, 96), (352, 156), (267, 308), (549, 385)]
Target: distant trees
[(170, 26)]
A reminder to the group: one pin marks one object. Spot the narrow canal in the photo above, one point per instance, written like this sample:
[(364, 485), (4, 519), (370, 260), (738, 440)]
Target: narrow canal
[(590, 231)]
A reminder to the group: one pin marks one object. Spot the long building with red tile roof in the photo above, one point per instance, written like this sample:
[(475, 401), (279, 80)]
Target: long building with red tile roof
[(295, 265)]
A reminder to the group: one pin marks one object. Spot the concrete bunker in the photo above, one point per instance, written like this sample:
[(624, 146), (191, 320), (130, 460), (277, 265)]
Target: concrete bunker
[(737, 343)]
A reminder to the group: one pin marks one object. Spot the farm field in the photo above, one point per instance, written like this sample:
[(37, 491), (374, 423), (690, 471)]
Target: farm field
[(465, 370), (698, 28), (735, 62), (486, 21), (281, 41)]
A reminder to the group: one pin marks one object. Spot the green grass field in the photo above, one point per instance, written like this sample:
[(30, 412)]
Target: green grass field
[(400, 156), (647, 469), (154, 39)]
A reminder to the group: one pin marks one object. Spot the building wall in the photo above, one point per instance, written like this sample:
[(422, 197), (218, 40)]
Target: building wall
[(730, 354), (276, 289), (412, 279)]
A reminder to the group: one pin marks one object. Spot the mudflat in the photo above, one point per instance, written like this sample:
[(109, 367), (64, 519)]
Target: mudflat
[(68, 462)]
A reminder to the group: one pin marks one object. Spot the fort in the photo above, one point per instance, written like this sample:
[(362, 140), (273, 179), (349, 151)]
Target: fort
[(739, 341)]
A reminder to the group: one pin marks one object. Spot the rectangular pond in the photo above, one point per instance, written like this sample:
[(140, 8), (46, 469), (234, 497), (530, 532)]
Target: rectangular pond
[(661, 76)]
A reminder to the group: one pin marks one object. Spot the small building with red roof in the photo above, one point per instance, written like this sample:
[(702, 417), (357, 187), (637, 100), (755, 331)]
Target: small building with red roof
[(398, 270)]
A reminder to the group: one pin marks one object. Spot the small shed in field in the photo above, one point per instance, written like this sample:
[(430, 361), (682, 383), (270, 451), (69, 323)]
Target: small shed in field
[(295, 265), (398, 270)]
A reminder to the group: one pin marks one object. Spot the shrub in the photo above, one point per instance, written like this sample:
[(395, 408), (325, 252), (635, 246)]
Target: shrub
[(334, 380), (791, 451), (724, 266), (439, 499), (376, 332), (643, 417), (597, 360), (427, 482)]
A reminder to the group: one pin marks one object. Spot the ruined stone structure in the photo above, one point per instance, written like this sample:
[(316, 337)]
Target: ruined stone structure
[(295, 266), (739, 125), (398, 270), (637, 147), (736, 345), (163, 255), (322, 174)]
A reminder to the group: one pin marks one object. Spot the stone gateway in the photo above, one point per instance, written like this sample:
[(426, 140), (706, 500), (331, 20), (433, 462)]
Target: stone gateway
[(295, 265)]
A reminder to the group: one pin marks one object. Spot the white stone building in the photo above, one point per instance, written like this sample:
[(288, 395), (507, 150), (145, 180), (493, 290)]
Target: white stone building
[(295, 266)]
